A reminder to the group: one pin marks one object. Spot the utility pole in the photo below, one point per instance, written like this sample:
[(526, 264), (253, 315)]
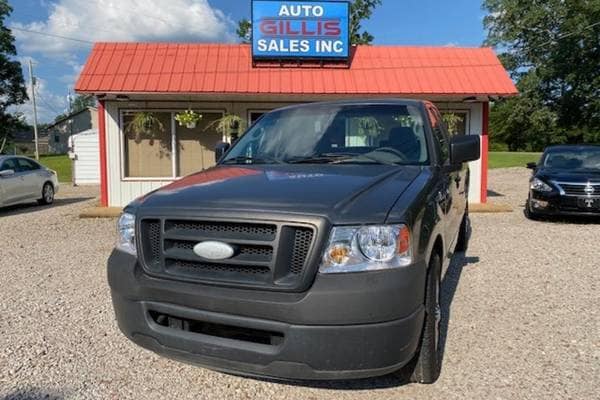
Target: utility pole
[(70, 99), (35, 121)]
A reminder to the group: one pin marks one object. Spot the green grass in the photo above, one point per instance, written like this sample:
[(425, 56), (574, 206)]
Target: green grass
[(506, 159), (59, 163)]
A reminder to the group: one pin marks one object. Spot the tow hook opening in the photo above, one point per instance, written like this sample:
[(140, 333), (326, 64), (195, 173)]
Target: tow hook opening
[(258, 336)]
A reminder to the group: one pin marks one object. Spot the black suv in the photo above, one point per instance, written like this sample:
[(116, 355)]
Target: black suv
[(313, 250)]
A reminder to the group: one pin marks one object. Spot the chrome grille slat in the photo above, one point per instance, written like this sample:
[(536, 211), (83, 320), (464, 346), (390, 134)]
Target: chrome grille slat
[(187, 255), (224, 230)]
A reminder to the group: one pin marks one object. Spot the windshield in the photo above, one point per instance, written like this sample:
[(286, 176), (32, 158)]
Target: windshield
[(585, 158), (369, 134)]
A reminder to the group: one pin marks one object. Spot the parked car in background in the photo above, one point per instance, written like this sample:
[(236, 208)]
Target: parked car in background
[(23, 180), (566, 181)]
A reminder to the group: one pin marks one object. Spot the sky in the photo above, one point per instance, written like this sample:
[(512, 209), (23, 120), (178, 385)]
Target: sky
[(57, 62)]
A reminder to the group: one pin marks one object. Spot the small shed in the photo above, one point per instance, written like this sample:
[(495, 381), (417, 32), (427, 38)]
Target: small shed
[(218, 79), (61, 130), (86, 158)]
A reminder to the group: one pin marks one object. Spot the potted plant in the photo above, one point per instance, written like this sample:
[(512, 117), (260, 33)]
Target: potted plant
[(146, 124), (188, 118), (229, 125)]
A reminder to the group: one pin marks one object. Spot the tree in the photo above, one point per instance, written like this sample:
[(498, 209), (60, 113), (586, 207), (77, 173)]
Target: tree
[(80, 102), (244, 31), (525, 122), (552, 49), (12, 84), (360, 10)]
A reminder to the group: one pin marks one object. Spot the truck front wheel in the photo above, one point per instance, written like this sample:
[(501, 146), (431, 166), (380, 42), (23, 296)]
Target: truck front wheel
[(427, 364)]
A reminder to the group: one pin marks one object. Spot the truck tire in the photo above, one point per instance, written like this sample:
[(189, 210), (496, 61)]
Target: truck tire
[(462, 243), (427, 364)]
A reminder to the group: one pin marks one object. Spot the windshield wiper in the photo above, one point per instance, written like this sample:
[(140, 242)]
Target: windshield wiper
[(322, 158), (364, 159), (252, 160)]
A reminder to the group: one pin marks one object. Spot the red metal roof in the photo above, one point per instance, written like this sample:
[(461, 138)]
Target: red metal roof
[(227, 68)]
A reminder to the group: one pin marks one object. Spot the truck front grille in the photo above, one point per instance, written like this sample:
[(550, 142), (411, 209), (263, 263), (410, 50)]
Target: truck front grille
[(269, 255)]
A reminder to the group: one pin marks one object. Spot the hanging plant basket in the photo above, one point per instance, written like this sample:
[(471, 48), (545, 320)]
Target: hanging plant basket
[(188, 118), (228, 125), (145, 125)]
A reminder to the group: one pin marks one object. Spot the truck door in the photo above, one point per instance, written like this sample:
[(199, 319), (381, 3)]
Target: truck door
[(446, 192)]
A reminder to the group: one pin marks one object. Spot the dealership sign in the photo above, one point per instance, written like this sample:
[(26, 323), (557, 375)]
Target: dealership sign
[(300, 29)]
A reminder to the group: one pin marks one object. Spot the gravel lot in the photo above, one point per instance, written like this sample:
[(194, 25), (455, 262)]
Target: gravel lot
[(523, 308)]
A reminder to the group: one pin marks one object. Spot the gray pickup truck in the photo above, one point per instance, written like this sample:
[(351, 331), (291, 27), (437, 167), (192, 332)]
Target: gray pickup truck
[(314, 249)]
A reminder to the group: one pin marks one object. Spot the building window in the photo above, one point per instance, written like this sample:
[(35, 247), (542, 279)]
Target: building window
[(255, 115), (167, 150), (196, 147), (148, 154), (460, 126), (56, 138)]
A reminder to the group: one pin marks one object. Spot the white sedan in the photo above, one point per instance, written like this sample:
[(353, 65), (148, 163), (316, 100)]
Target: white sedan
[(23, 180)]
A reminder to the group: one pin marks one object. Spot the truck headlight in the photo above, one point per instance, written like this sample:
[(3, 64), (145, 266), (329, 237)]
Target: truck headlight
[(540, 185), (126, 233), (366, 248)]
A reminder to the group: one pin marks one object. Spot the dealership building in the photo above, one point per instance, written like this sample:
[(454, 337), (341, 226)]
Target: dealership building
[(218, 79)]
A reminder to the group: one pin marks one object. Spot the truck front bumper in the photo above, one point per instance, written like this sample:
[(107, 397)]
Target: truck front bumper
[(346, 326)]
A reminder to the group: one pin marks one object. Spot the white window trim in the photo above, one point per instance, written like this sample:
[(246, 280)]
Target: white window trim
[(174, 159)]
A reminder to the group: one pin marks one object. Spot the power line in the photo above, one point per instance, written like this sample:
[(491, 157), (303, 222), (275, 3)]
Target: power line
[(566, 35), (95, 27), (47, 104), (129, 10), (51, 35)]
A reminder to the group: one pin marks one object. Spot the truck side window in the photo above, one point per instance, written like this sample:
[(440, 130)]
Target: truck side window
[(440, 135)]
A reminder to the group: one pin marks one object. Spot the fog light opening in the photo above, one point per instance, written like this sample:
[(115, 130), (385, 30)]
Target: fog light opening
[(539, 203)]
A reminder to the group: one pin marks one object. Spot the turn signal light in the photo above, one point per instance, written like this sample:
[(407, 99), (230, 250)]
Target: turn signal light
[(403, 241), (339, 253)]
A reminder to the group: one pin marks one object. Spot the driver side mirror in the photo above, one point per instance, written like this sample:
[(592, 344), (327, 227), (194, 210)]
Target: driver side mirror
[(464, 148), (7, 172), (531, 165), (220, 150)]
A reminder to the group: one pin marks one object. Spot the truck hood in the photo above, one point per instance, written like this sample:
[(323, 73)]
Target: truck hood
[(341, 193)]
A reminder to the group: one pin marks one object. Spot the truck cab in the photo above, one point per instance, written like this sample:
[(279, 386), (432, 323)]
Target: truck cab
[(314, 249)]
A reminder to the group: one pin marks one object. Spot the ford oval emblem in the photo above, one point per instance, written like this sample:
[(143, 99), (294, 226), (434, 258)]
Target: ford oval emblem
[(214, 250)]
